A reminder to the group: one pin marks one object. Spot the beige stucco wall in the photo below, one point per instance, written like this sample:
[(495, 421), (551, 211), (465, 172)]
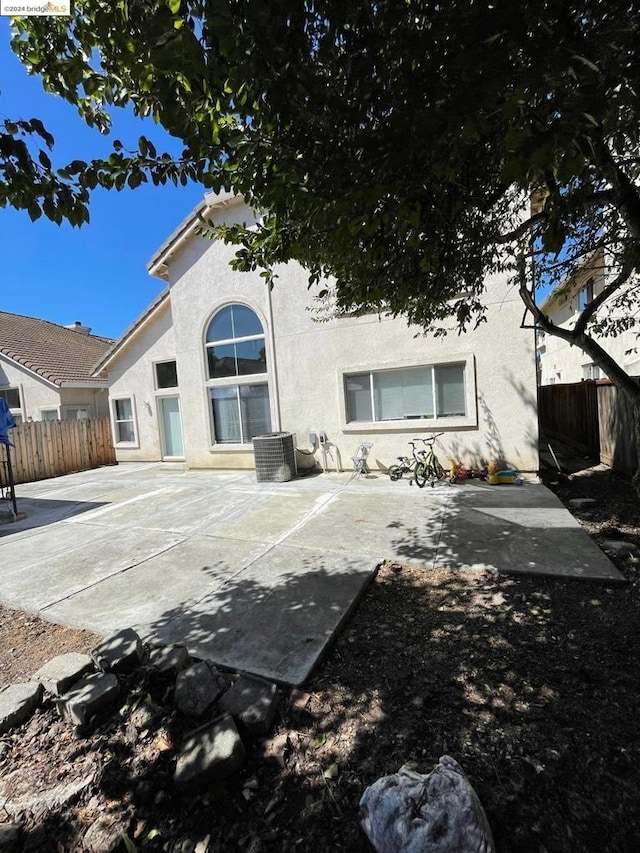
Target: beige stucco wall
[(37, 394), (132, 375), (307, 361), (562, 363)]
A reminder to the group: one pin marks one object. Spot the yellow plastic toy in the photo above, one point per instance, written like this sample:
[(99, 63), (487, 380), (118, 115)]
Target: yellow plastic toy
[(506, 476)]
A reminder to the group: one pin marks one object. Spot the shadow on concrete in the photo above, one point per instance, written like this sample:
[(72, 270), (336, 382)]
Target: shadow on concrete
[(486, 527), (41, 512), (278, 629)]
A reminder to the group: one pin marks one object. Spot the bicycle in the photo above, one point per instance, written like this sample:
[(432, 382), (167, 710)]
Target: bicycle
[(406, 466), (429, 468)]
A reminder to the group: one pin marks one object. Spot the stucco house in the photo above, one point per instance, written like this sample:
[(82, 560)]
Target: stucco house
[(560, 363), (219, 358), (47, 370)]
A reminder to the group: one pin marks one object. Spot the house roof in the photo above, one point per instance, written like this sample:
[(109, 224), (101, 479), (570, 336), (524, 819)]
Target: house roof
[(131, 330), (157, 265), (58, 354)]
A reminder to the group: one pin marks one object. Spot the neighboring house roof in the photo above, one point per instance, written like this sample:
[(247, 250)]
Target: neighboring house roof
[(58, 354)]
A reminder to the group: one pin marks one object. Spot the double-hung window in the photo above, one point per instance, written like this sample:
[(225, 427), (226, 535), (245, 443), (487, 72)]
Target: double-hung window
[(429, 392), (237, 385), (123, 421)]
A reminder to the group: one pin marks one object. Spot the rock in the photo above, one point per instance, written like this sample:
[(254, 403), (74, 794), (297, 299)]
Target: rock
[(9, 837), (17, 703), (582, 503), (169, 660), (88, 696), (197, 688), (276, 749), (121, 652), (25, 798), (253, 702), (620, 548), (61, 672), (212, 752), (299, 699), (105, 834), (434, 813)]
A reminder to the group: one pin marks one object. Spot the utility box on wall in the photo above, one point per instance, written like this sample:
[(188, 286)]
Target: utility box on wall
[(275, 457)]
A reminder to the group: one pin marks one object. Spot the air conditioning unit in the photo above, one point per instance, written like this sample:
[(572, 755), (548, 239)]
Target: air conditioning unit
[(275, 457)]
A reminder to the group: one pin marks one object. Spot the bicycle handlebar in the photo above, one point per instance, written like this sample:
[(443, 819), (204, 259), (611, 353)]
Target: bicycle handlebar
[(429, 440)]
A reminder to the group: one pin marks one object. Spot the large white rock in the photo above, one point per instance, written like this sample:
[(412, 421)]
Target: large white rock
[(439, 812)]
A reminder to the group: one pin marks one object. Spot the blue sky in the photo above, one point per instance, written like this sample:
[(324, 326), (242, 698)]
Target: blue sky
[(96, 274)]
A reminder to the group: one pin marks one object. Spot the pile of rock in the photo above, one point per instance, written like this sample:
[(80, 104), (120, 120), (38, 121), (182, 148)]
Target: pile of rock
[(85, 687)]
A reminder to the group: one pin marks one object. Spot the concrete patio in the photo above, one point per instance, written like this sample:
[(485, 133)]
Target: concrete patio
[(259, 576)]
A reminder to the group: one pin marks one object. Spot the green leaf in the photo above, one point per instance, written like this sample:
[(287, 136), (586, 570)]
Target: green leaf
[(128, 843)]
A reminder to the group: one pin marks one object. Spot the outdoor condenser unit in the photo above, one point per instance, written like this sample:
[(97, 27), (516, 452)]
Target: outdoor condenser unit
[(275, 457)]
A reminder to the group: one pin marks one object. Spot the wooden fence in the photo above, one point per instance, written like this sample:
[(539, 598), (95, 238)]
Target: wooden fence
[(570, 412), (593, 417), (50, 448), (617, 436)]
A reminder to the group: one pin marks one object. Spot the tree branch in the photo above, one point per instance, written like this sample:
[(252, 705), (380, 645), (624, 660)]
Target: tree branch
[(523, 229), (590, 309), (587, 344)]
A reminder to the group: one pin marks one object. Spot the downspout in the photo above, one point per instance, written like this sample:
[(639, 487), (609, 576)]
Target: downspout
[(277, 426)]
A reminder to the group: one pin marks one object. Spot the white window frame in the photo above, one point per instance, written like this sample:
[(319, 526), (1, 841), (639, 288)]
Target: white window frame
[(66, 410), (115, 421), (167, 389), (46, 410), (469, 419), (17, 412), (237, 380)]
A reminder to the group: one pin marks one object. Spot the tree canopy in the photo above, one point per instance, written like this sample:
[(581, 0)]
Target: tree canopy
[(395, 145)]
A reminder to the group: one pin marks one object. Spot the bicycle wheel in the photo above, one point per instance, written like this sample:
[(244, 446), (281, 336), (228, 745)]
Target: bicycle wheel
[(394, 472), (420, 475), (436, 472)]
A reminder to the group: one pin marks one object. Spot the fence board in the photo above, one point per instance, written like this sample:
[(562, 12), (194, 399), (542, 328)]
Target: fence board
[(45, 449), (617, 436), (571, 413)]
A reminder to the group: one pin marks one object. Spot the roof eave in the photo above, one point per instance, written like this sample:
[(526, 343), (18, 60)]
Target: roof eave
[(158, 264), (51, 382), (84, 383), (130, 332)]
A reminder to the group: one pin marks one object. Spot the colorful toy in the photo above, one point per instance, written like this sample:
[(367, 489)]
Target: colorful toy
[(503, 477)]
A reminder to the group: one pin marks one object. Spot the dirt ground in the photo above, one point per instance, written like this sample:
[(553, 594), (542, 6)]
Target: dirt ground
[(529, 683)]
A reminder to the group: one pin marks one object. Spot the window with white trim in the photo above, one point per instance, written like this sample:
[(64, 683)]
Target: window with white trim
[(49, 415), (237, 384), (75, 413), (166, 374), (428, 392), (11, 396), (123, 421)]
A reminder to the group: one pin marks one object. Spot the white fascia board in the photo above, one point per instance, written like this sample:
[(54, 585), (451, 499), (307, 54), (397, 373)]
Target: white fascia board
[(95, 383), (157, 265)]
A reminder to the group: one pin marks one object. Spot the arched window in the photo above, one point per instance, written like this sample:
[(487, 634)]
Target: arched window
[(236, 370)]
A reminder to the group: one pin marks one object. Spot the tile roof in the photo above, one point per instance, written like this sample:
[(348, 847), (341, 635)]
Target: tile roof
[(58, 354)]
